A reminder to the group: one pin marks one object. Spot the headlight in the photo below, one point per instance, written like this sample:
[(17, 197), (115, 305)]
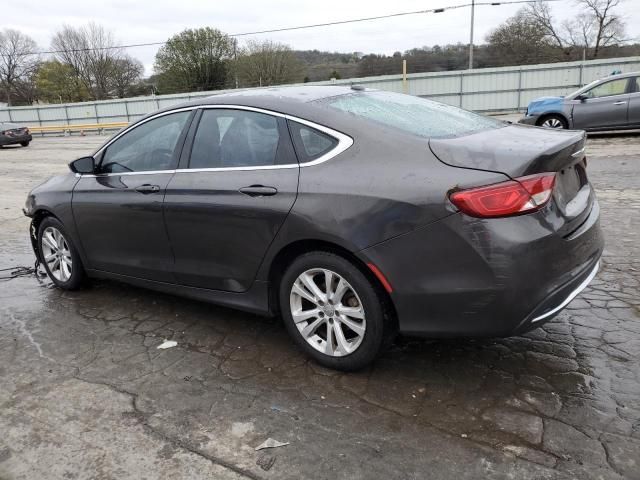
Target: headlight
[(28, 205)]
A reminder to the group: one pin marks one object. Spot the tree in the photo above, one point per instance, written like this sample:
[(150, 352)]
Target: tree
[(90, 52), (595, 27), (598, 27), (194, 60), (267, 63), (127, 72), (56, 82), (519, 41), (18, 64)]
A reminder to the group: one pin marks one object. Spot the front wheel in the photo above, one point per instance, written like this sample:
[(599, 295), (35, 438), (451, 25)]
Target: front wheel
[(24, 144), (333, 311), (553, 121), (59, 255)]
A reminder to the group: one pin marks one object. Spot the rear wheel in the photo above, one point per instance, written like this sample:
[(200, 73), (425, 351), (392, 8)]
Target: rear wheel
[(553, 121), (333, 311), (59, 255)]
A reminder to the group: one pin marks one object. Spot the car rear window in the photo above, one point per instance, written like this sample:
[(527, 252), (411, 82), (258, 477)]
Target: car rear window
[(410, 114)]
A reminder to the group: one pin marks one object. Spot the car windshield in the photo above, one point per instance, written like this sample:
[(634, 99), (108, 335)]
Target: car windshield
[(410, 114), (581, 89)]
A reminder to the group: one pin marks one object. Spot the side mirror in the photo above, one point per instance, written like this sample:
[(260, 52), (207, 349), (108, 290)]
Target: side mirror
[(83, 165), (582, 97)]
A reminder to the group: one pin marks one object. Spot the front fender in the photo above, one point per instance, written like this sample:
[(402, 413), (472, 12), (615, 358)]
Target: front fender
[(53, 198)]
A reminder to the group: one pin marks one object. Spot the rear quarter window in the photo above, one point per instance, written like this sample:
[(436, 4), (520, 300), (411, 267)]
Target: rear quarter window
[(410, 114), (310, 143)]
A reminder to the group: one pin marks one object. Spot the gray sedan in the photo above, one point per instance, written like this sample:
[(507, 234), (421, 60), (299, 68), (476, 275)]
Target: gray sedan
[(12, 134), (611, 103), (352, 213)]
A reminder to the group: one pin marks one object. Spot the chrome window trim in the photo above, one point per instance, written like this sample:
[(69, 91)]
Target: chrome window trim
[(569, 297), (344, 143)]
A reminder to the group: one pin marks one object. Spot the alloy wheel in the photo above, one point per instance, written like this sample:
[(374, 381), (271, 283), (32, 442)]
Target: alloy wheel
[(327, 312), (552, 123), (56, 254)]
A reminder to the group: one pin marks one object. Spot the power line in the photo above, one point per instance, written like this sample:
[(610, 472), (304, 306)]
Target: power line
[(302, 27)]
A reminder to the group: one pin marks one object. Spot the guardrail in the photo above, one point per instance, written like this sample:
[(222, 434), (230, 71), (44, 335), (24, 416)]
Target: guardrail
[(80, 128)]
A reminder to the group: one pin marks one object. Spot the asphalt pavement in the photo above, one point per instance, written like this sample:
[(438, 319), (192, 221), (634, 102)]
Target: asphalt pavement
[(86, 393)]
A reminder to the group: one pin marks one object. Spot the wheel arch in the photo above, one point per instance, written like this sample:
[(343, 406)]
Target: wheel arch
[(287, 254), (554, 113), (36, 219)]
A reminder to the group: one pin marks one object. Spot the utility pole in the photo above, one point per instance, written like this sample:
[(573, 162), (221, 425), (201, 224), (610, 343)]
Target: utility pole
[(473, 9), (235, 60)]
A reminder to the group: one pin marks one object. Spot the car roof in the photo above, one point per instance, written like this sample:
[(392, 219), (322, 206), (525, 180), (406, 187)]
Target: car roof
[(283, 99), (304, 94), (293, 100)]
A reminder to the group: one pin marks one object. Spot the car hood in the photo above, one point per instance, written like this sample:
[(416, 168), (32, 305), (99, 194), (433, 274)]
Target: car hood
[(545, 104)]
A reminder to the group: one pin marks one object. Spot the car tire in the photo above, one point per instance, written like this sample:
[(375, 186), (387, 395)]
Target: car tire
[(355, 342), (24, 144), (65, 269), (553, 121)]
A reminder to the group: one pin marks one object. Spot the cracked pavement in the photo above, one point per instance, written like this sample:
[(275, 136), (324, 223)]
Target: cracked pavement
[(85, 393)]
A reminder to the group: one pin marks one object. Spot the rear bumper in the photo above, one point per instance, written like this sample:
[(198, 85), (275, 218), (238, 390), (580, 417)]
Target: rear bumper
[(554, 303), (7, 140), (464, 276)]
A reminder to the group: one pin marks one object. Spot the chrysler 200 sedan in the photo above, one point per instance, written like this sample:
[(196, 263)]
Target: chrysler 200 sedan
[(352, 213)]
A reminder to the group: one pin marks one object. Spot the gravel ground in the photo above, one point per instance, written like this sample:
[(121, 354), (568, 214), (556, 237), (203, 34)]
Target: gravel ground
[(85, 393)]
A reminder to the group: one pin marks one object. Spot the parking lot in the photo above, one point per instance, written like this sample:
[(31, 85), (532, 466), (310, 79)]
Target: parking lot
[(85, 393)]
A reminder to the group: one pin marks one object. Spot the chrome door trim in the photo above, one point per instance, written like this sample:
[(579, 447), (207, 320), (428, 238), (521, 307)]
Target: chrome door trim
[(344, 142)]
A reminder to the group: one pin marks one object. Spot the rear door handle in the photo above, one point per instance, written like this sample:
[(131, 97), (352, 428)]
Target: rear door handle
[(620, 103), (145, 189), (258, 191)]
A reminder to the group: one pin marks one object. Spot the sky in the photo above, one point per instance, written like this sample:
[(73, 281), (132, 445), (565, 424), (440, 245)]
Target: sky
[(144, 21)]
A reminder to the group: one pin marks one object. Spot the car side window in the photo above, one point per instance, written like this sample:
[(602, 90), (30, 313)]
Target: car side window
[(309, 142), (150, 146), (607, 89), (634, 86), (235, 138)]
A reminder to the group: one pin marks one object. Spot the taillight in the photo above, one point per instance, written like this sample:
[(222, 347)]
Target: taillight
[(515, 197)]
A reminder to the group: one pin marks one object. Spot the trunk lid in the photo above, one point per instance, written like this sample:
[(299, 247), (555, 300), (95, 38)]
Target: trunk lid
[(517, 151)]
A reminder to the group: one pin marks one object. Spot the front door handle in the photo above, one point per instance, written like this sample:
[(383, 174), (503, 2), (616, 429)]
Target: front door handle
[(258, 191), (146, 188), (620, 103)]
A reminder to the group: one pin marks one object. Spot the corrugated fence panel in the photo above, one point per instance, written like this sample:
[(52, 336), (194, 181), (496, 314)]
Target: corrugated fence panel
[(485, 90), (51, 114), (111, 110), (594, 72), (80, 113), (142, 106), (425, 86), (24, 115), (490, 82)]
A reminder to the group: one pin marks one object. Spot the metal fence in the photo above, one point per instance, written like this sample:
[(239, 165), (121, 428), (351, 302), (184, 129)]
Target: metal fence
[(505, 89)]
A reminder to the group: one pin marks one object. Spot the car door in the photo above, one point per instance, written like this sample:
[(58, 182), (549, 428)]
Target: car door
[(605, 106), (634, 102), (224, 208), (118, 211)]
